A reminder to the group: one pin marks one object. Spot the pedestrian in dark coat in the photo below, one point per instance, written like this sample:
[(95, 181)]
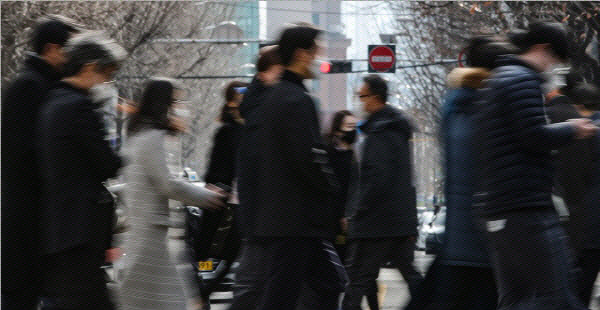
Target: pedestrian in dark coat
[(292, 217), (384, 223), (222, 170), (77, 210), (250, 275), (578, 181), (222, 162), (21, 186), (515, 143), (340, 142)]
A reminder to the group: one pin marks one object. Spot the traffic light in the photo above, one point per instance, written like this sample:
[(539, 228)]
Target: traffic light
[(336, 66)]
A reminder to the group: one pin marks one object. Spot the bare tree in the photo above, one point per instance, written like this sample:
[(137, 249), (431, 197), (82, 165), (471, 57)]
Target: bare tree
[(136, 25), (435, 30)]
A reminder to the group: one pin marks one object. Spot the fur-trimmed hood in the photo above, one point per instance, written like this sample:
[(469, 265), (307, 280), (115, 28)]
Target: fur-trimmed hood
[(467, 77)]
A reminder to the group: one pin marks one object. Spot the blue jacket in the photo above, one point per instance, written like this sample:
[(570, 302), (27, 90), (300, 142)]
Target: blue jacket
[(463, 241)]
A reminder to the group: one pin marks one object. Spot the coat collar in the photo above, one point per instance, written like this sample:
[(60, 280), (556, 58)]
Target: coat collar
[(293, 78), (513, 60), (64, 85), (37, 64), (385, 118)]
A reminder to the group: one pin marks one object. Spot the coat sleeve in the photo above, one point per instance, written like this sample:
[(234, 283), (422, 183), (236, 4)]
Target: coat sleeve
[(156, 169), (527, 116), (90, 133)]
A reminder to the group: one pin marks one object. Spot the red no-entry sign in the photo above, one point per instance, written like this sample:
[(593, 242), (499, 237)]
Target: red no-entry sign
[(382, 58)]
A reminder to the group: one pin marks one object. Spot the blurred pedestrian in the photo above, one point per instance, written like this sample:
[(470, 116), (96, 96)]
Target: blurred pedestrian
[(222, 161), (578, 183), (340, 141), (77, 210), (461, 277), (250, 275), (222, 171), (151, 280), (532, 261), (21, 188), (384, 222), (291, 218)]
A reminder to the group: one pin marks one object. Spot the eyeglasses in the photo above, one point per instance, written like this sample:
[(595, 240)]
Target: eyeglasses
[(363, 96)]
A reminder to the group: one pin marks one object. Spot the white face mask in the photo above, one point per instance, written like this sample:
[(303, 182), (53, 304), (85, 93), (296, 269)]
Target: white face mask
[(315, 68), (182, 113), (104, 93)]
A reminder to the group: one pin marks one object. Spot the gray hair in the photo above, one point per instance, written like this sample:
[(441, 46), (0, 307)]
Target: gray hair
[(92, 47)]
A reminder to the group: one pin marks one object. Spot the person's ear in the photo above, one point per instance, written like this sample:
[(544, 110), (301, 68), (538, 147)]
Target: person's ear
[(51, 50), (301, 56)]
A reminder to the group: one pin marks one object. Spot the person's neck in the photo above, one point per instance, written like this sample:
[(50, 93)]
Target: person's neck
[(77, 82), (297, 69), (533, 60), (49, 61), (378, 108)]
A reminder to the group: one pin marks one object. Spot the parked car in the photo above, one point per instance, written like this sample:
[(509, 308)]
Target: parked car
[(210, 237), (207, 268)]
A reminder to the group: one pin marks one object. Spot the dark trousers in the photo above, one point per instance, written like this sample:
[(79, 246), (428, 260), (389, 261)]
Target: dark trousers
[(250, 277), (589, 264), (455, 288), (533, 264), (73, 280), (293, 263), (304, 266), (26, 299), (365, 259)]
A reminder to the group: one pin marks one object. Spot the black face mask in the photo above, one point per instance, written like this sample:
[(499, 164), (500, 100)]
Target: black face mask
[(349, 136)]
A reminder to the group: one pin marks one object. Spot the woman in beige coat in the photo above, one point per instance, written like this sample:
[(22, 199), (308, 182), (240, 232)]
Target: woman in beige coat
[(151, 279)]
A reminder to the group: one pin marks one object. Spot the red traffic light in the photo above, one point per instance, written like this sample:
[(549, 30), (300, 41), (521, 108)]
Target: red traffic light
[(325, 67)]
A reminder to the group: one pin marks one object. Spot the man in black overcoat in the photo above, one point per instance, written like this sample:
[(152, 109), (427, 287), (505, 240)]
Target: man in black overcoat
[(77, 210), (21, 104)]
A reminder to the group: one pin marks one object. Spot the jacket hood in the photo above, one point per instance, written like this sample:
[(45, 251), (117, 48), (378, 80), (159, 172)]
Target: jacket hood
[(467, 77), (387, 118)]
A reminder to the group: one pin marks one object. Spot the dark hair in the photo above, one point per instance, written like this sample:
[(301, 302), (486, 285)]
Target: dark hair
[(230, 93), (377, 86), (336, 123), (543, 32), (486, 55), (52, 30), (230, 90), (300, 36), (154, 106), (483, 52), (267, 59), (585, 94), (471, 50), (92, 47)]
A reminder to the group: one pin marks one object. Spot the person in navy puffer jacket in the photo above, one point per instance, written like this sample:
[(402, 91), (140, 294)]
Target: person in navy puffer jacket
[(533, 265)]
